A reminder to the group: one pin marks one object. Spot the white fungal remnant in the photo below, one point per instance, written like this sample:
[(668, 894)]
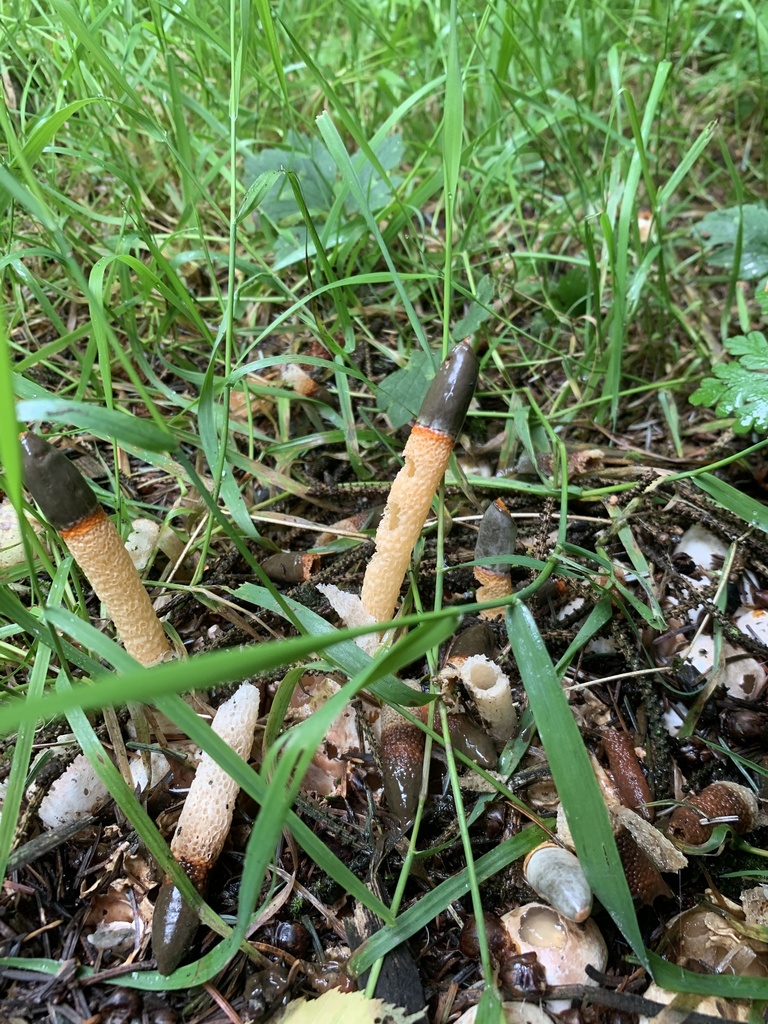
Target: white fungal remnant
[(207, 813), (752, 622), (557, 876), (11, 546), (710, 1006), (515, 1012), (742, 675), (703, 547), (79, 791), (491, 691), (703, 936), (349, 608), (142, 541), (76, 793)]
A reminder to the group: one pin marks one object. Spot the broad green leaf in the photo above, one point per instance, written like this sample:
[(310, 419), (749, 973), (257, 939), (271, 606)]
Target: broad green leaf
[(719, 231), (401, 393), (345, 653)]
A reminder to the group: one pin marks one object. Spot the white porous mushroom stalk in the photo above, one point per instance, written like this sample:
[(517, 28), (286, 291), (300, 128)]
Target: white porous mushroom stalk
[(203, 827)]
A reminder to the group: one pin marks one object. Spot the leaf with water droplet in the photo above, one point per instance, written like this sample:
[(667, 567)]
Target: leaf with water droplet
[(740, 388), (719, 233)]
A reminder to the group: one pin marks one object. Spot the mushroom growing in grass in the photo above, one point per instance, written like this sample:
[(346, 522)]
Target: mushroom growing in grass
[(495, 538), (202, 828), (426, 455), (72, 508)]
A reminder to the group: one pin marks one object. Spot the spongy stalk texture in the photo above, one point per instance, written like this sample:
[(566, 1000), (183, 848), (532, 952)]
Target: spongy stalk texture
[(495, 587), (491, 691), (101, 554), (426, 458), (206, 817)]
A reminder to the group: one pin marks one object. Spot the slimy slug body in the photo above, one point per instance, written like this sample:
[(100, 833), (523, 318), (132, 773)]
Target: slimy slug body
[(72, 508), (426, 455), (203, 827)]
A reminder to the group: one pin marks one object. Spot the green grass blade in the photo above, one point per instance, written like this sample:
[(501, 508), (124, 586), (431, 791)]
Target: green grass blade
[(573, 775)]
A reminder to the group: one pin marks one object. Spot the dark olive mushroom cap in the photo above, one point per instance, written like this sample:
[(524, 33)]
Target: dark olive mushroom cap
[(174, 926), (496, 536), (447, 400), (59, 489)]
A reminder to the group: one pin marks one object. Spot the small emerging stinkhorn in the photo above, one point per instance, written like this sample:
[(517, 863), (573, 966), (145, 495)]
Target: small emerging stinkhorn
[(402, 753), (73, 510), (556, 875), (203, 826), (496, 537), (426, 455)]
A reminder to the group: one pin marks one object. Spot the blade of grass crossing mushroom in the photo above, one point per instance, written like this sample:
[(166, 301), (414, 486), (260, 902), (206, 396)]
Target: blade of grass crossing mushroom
[(111, 424), (261, 791), (145, 685), (727, 986), (22, 751), (572, 774), (453, 133)]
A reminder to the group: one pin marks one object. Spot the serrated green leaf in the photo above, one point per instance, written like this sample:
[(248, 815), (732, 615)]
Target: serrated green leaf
[(739, 389)]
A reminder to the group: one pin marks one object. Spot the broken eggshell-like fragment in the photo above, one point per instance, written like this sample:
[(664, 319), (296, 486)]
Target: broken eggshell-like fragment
[(328, 772), (556, 875), (702, 547), (710, 1006), (703, 938), (564, 949), (743, 676), (515, 1012)]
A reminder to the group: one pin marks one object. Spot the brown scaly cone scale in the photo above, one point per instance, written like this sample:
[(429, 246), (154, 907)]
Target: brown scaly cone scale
[(643, 877), (692, 823)]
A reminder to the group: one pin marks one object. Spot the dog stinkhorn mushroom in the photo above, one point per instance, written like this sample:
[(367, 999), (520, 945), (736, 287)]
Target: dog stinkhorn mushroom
[(73, 510), (426, 455), (495, 537), (203, 826)]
